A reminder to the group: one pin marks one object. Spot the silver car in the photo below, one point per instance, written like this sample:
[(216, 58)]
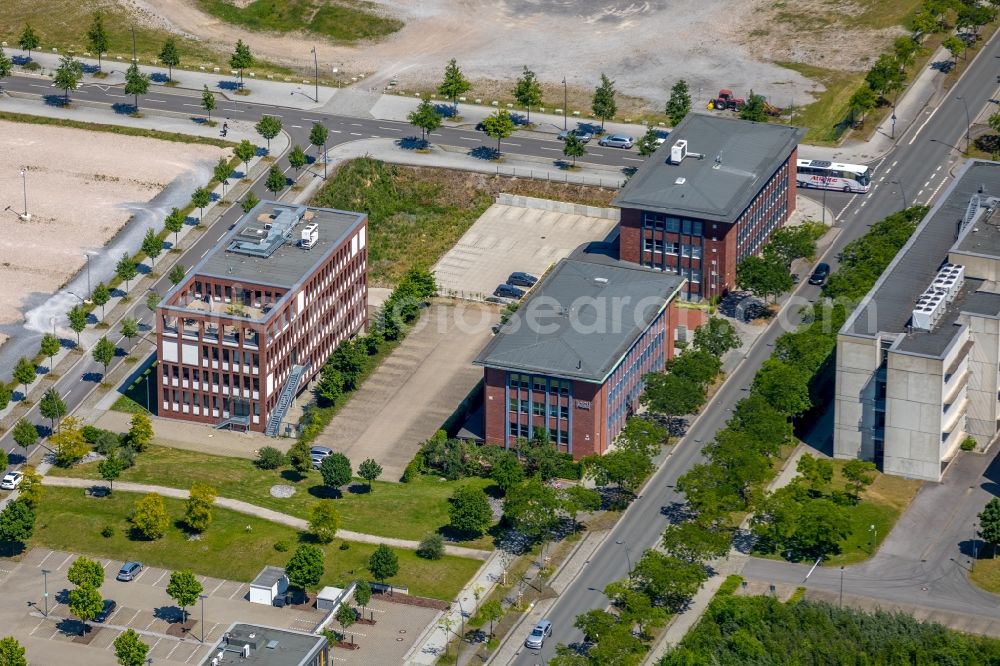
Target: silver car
[(583, 135), (537, 637), (617, 141)]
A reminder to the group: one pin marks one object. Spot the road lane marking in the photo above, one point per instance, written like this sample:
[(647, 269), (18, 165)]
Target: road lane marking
[(199, 106), (557, 150), (356, 134), (297, 126), (276, 115), (390, 129), (915, 134), (633, 159), (469, 138), (894, 162), (312, 120), (158, 101), (355, 124), (336, 131), (514, 144)]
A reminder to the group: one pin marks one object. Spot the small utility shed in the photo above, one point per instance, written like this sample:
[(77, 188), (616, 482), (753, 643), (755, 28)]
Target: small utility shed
[(269, 584)]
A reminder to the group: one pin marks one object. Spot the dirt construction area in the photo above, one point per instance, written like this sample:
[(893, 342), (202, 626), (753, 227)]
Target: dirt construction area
[(644, 45), (144, 605), (81, 188)]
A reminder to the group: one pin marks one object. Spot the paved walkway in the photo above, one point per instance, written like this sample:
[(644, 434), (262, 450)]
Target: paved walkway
[(261, 512)]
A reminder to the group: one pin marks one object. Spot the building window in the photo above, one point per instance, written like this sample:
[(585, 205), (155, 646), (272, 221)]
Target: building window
[(539, 384), (538, 408)]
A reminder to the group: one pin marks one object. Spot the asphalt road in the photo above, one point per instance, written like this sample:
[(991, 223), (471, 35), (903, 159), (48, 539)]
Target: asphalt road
[(920, 164)]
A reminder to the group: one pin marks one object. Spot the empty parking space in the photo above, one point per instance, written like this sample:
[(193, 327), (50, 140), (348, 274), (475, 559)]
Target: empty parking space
[(508, 238)]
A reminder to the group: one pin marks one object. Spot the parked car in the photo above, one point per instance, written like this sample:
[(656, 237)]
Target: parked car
[(109, 607), (11, 480), (129, 571), (583, 135), (521, 279), (617, 141), (318, 454), (537, 637), (508, 291), (820, 274)]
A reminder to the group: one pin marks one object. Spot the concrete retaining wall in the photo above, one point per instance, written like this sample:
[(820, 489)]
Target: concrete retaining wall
[(557, 206)]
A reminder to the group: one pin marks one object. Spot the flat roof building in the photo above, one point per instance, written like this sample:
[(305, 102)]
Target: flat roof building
[(917, 359), (256, 645), (254, 321), (572, 358), (708, 197)]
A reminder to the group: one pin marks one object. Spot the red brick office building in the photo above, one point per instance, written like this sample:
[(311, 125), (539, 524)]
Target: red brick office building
[(572, 358), (708, 197), (255, 320)]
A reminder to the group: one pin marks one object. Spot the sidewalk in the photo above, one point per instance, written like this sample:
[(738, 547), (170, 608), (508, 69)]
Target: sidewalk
[(261, 512)]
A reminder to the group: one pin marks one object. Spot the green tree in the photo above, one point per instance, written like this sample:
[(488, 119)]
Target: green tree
[(111, 468), (668, 580), (905, 48), (330, 386), (507, 471), (52, 407), (491, 611), (174, 223), (335, 470), (136, 83), (176, 274), (694, 542), (885, 76), (697, 365), (208, 103), (763, 276), (369, 470), (816, 472), (241, 59), (85, 572), (595, 622), (383, 563), (783, 386), (648, 143), (268, 127), (25, 434), (97, 37), (754, 108), (152, 245), (6, 64), (791, 243), (30, 491), (24, 374), (129, 649), (140, 432), (350, 359), (275, 180), (498, 126), (859, 474), (862, 102), (149, 516), (185, 589), (104, 352), (198, 507), (346, 616), (362, 594), (679, 104), (17, 521), (532, 508), (671, 395), (624, 468), (954, 46), (126, 269), (297, 158), (469, 511), (305, 567), (299, 457), (577, 498), (170, 57), (454, 84), (101, 296), (603, 103), (317, 137), (634, 607), (528, 91), (245, 151), (152, 301), (28, 39), (11, 652), (989, 524), (643, 436), (717, 336), (49, 346), (77, 317), (324, 519), (130, 327), (431, 547), (426, 117), (199, 199), (68, 443), (85, 603), (572, 147), (249, 202)]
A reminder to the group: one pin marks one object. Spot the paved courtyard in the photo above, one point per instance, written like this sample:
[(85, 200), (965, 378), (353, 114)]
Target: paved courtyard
[(509, 238), (415, 389), (144, 606)]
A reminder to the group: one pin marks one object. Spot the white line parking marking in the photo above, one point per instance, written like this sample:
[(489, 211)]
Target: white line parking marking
[(45, 558), (159, 579), (217, 588), (70, 556)]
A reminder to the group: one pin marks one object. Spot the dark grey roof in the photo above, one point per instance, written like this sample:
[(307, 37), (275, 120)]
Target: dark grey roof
[(287, 648), (286, 265), (748, 154), (268, 576), (581, 319), (889, 304)]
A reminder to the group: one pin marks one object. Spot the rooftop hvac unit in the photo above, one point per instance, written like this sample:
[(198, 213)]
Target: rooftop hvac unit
[(678, 151), (310, 234)]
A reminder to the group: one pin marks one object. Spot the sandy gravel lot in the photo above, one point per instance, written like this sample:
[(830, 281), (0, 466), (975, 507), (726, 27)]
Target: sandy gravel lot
[(78, 184), (645, 45)]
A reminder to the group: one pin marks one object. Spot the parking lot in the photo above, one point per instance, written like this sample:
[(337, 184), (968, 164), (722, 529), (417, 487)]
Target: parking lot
[(518, 234), (143, 605)]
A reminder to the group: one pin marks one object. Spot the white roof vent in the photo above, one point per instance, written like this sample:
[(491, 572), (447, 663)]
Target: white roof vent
[(680, 180), (601, 280)]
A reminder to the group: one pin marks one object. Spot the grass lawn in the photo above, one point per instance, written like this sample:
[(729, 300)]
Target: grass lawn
[(69, 521), (402, 510), (826, 118), (115, 129), (342, 20)]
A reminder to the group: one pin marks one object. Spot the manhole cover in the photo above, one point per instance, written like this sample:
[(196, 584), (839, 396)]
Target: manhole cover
[(281, 490)]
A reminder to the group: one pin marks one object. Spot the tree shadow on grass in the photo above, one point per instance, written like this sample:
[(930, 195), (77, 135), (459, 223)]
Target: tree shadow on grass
[(323, 491), (359, 489), (293, 475)]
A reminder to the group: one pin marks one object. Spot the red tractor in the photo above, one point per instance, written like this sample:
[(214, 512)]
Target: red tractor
[(727, 102)]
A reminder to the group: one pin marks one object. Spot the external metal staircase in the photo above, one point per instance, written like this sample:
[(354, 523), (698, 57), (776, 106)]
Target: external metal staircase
[(285, 399)]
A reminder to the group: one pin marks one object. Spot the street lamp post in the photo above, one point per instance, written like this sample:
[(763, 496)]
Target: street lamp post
[(24, 186), (45, 578), (565, 103), (316, 63), (132, 30), (628, 557), (968, 122), (87, 257), (893, 135), (824, 204), (871, 528), (203, 597), (839, 605), (975, 543)]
